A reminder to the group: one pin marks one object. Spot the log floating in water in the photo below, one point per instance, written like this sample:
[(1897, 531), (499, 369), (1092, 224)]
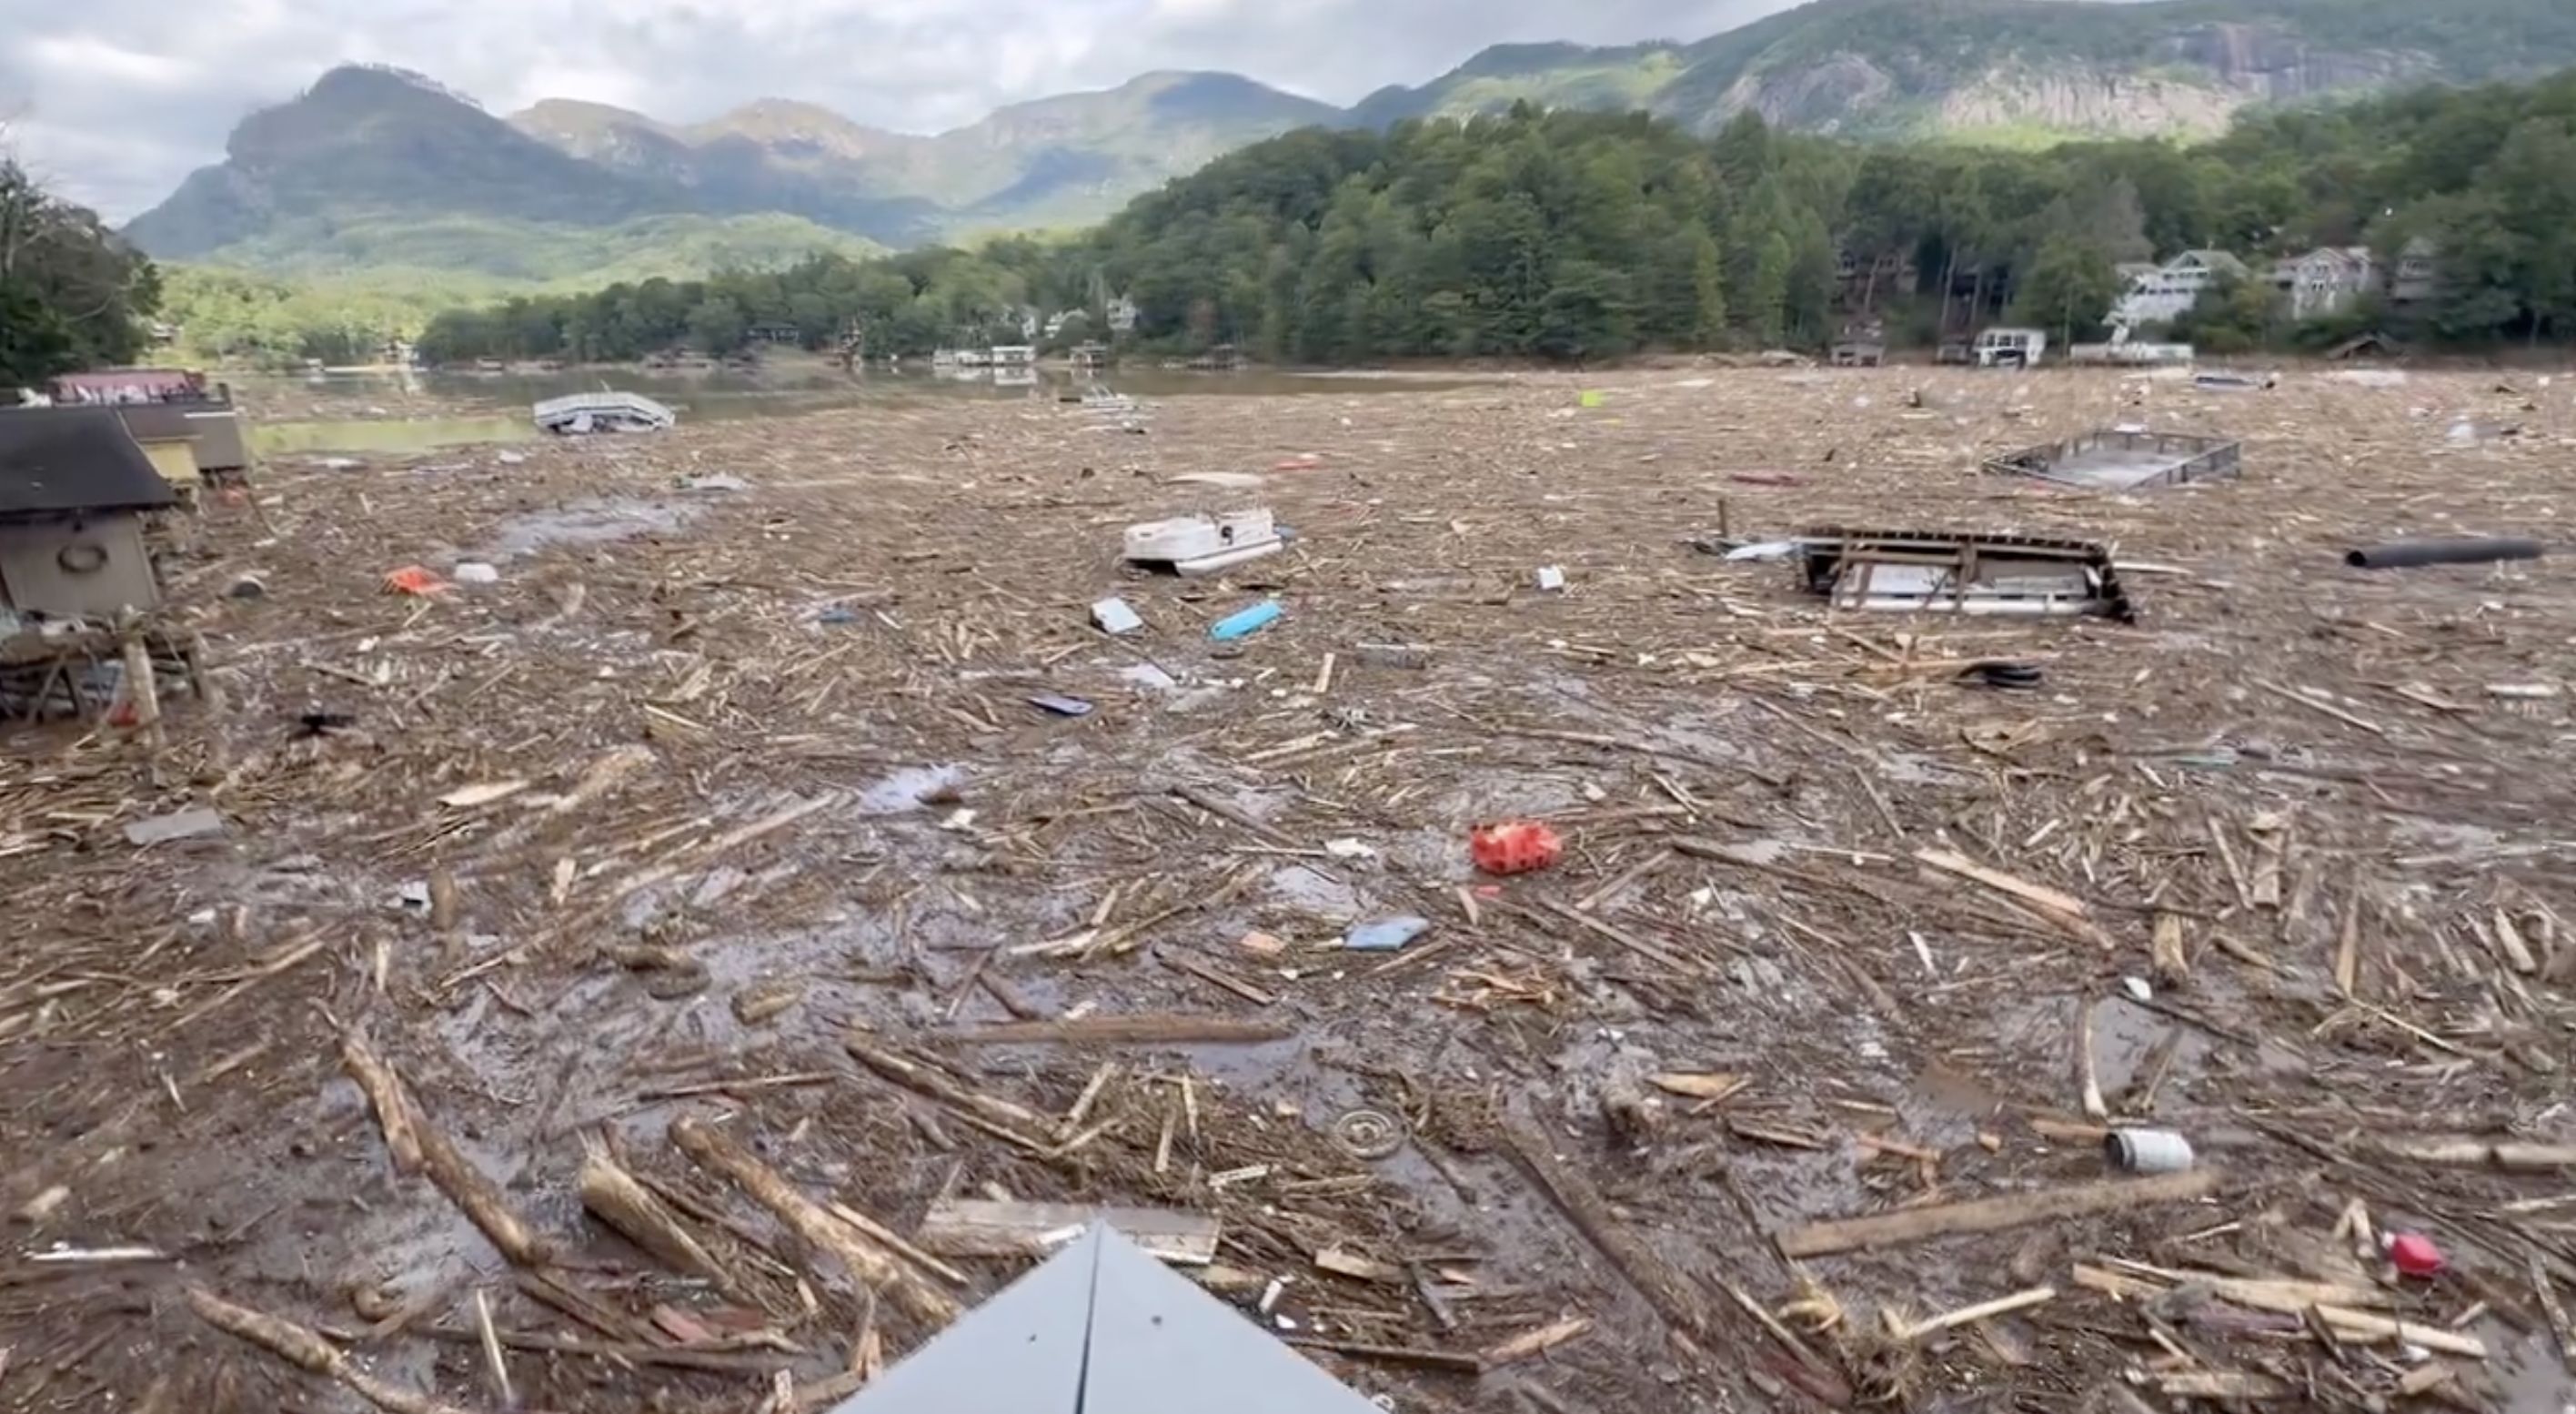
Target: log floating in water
[(418, 1144), (299, 1346), (1134, 1030), (974, 1227), (867, 1261), (1995, 1214)]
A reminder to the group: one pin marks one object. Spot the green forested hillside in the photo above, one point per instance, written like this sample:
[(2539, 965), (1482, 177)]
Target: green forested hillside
[(534, 253), (339, 296), (1572, 235), (1918, 68)]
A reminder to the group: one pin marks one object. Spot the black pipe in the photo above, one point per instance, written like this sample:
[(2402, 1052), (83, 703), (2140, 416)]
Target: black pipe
[(2465, 550)]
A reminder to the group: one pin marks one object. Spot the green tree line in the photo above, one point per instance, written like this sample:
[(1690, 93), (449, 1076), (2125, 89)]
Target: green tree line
[(1575, 236), (72, 295)]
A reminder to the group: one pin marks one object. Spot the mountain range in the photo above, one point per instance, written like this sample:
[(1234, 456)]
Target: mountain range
[(376, 167)]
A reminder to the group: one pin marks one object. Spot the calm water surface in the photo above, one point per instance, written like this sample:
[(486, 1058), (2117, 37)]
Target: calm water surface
[(399, 412)]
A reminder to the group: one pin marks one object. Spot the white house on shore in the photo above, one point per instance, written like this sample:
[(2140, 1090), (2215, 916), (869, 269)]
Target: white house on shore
[(2161, 295)]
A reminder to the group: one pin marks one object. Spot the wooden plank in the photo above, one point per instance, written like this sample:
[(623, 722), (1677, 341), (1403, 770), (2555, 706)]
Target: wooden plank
[(1536, 1342), (1660, 956), (1130, 1030), (2223, 1384), (976, 1227), (1361, 1268), (1996, 1214), (2071, 914)]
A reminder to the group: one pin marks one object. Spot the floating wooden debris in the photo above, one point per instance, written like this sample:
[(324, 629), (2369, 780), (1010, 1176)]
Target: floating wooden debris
[(1995, 1214), (975, 1227)]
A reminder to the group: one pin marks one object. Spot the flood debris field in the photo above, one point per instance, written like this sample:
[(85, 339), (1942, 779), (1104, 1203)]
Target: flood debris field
[(661, 979)]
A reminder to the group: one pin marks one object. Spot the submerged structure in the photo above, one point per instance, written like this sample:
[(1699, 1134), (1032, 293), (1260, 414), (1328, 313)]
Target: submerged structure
[(1946, 571), (578, 413), (75, 486), (2125, 459), (1191, 546), (1101, 1328)]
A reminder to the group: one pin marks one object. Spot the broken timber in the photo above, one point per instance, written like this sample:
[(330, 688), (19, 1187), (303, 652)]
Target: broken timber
[(644, 1219), (418, 1144), (1672, 1294), (1134, 1030), (302, 1347), (1995, 1214), (969, 1227), (868, 1261)]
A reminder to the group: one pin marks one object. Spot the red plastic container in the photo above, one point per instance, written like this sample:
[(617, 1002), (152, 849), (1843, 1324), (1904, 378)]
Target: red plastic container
[(2415, 1254), (1514, 847)]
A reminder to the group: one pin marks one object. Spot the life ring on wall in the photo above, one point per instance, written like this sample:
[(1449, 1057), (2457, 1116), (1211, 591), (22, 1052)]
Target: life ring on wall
[(87, 557)]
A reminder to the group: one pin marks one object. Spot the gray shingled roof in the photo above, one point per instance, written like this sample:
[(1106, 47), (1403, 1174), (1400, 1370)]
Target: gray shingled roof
[(1101, 1328), (74, 459)]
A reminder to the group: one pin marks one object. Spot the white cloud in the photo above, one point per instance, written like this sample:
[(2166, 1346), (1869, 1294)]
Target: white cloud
[(80, 57), (115, 100)]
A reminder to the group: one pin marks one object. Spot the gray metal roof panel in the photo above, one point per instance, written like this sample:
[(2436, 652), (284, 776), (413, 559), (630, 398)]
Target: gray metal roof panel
[(56, 459), (1161, 1345), (1102, 1328), (1021, 1352)]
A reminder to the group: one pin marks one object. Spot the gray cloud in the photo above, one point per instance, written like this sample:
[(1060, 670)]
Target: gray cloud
[(113, 101)]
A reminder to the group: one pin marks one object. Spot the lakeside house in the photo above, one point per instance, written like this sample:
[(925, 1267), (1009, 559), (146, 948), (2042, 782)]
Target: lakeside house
[(74, 489), (2418, 276), (2326, 281), (1860, 284), (2163, 294), (2321, 283)]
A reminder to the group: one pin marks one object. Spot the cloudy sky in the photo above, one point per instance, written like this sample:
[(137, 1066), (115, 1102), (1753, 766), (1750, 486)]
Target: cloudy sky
[(113, 101)]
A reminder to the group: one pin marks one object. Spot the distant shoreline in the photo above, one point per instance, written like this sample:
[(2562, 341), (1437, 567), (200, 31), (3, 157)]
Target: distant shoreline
[(805, 368)]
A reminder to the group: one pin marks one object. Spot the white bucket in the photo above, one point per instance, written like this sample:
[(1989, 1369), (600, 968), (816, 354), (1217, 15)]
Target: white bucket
[(2146, 1151)]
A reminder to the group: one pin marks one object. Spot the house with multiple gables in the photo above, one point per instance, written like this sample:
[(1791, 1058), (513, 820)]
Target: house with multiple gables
[(2323, 282)]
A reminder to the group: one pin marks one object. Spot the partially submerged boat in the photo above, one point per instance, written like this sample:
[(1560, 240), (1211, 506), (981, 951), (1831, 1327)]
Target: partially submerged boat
[(1190, 546), (576, 414)]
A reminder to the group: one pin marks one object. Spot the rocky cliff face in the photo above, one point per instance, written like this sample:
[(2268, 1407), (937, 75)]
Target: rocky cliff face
[(1829, 96), (2090, 101), (2197, 82), (2268, 64)]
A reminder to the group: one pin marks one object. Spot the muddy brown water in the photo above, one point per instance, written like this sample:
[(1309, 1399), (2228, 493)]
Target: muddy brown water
[(980, 531), (398, 412)]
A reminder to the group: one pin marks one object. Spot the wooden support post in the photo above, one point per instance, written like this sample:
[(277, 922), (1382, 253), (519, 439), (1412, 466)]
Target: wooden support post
[(141, 691)]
